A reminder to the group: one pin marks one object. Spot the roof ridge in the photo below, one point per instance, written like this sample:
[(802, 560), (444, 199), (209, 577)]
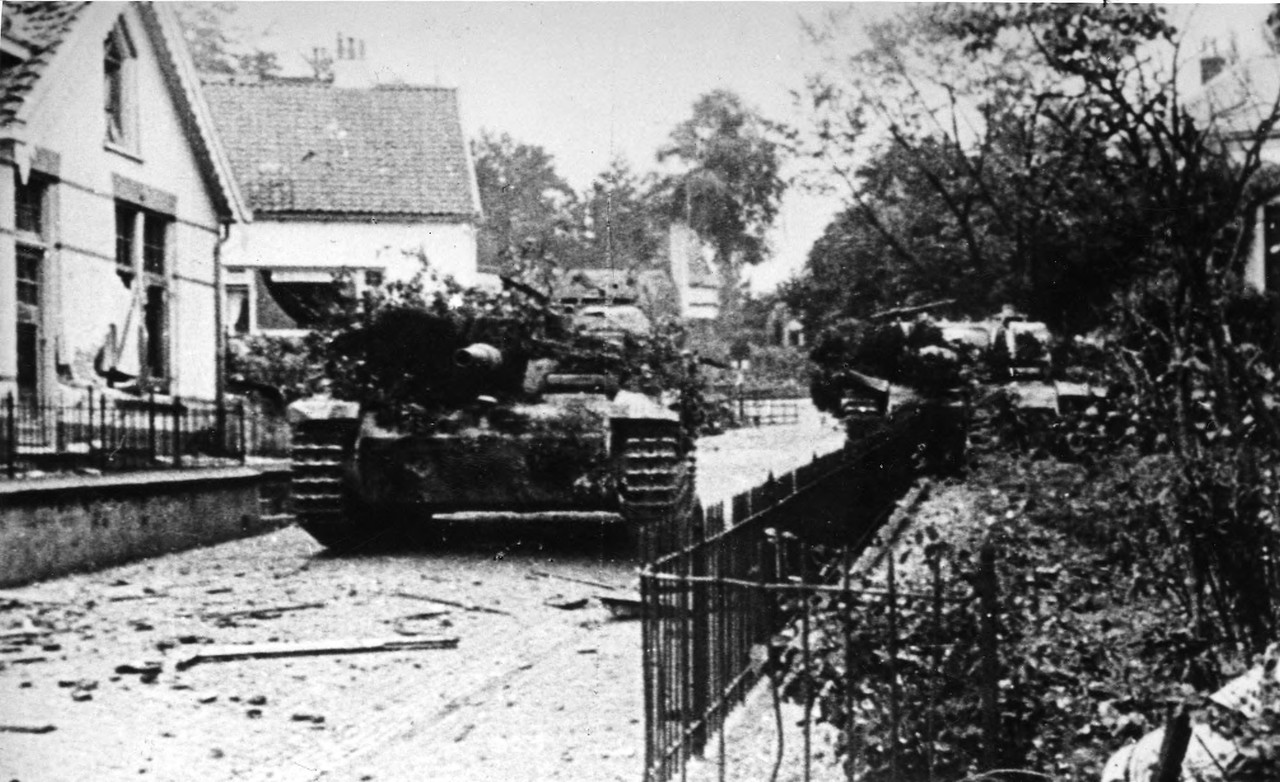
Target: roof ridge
[(299, 83)]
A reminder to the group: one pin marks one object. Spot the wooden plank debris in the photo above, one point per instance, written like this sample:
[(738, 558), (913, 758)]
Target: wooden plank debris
[(442, 601), (262, 612), (311, 648), (587, 581), (27, 728)]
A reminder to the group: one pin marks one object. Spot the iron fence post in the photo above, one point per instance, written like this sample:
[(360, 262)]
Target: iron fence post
[(90, 426), (151, 427), (177, 432), (102, 425), (988, 641), (850, 702), (894, 694), (11, 436)]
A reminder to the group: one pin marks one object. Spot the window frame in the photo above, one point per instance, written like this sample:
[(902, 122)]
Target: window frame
[(119, 100), (31, 243)]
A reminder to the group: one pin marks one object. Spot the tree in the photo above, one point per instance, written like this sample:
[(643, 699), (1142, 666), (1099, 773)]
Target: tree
[(528, 207), (217, 46), (1057, 152), (623, 226), (982, 178), (730, 187)]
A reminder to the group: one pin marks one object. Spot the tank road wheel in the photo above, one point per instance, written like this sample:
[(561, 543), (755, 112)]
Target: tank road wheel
[(320, 504), (656, 490)]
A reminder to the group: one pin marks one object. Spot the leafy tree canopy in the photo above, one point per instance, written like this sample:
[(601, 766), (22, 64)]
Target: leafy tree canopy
[(731, 185), (218, 46)]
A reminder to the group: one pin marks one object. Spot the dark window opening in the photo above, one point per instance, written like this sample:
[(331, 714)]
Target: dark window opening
[(28, 359), (154, 232), (28, 326), (155, 322), (117, 52), (307, 304), (28, 206), (29, 259), (125, 221)]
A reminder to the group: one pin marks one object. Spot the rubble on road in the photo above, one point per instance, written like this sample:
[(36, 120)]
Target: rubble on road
[(454, 603), (27, 728), (310, 648)]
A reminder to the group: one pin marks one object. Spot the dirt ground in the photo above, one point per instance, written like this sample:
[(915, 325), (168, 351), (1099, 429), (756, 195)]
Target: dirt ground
[(543, 683)]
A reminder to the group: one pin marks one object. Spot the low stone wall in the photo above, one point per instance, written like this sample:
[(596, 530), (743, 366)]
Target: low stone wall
[(53, 526)]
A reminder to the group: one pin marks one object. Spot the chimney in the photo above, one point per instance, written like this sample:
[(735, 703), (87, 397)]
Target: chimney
[(1211, 65), (349, 67)]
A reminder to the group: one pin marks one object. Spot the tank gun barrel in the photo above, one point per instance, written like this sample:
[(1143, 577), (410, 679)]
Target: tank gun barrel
[(478, 355)]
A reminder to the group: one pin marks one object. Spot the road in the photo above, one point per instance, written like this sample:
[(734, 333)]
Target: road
[(543, 683)]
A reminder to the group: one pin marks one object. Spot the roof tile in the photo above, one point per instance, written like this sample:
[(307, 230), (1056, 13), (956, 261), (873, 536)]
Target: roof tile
[(40, 27), (313, 148)]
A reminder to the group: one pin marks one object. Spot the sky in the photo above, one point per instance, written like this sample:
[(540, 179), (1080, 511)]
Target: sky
[(588, 81)]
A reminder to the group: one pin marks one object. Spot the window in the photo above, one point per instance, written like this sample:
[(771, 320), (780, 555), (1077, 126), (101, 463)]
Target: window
[(117, 69), (126, 224), (142, 250), (29, 220), (29, 206), (30, 260)]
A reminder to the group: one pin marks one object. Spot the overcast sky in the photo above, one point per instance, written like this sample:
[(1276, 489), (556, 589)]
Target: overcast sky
[(588, 81)]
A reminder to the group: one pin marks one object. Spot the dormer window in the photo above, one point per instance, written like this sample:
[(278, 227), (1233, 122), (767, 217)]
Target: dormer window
[(118, 61)]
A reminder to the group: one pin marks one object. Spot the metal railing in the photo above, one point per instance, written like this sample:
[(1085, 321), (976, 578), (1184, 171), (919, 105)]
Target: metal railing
[(773, 598), (98, 432), (761, 406)]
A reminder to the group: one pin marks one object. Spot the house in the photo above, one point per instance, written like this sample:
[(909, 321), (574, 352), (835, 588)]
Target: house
[(341, 174), (116, 202), (1236, 98), (696, 280)]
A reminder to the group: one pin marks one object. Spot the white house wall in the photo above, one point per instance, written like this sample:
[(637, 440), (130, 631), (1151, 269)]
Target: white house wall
[(88, 295), (450, 248)]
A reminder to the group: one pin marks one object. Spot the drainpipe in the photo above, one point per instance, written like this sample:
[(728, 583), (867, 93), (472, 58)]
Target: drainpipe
[(220, 369)]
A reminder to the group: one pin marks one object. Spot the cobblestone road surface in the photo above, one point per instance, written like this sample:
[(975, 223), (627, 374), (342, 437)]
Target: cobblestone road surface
[(533, 690)]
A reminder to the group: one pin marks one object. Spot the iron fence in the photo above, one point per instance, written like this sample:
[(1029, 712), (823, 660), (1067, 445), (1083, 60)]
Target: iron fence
[(766, 593), (108, 433), (760, 406)]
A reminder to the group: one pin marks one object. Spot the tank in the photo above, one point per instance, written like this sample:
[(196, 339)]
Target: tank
[(512, 423)]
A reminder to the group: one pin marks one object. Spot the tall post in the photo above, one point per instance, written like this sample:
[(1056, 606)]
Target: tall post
[(11, 435), (1177, 735), (244, 443), (102, 425), (151, 427), (989, 644), (894, 695), (177, 432)]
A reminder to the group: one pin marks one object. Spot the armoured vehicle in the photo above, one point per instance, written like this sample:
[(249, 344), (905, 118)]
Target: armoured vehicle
[(507, 422)]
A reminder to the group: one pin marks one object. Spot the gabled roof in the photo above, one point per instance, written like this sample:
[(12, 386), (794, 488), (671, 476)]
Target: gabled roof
[(312, 149), (34, 32), (1239, 98), (31, 32)]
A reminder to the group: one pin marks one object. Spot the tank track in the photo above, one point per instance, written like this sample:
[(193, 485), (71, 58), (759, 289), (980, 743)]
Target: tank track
[(319, 501), (657, 496)]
